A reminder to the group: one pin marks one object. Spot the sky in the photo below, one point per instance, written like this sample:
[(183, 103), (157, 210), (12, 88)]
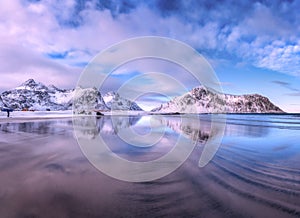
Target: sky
[(253, 46)]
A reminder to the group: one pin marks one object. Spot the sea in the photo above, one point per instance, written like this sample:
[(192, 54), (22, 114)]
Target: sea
[(234, 165)]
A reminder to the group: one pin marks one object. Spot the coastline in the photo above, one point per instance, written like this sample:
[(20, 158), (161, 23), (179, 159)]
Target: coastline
[(21, 116)]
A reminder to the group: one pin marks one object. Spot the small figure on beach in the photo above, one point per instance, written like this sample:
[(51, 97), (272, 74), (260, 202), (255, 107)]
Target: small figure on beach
[(7, 110), (4, 107)]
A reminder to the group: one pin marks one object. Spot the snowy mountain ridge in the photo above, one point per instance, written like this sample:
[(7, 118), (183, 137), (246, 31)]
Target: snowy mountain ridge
[(202, 100), (32, 95), (114, 101)]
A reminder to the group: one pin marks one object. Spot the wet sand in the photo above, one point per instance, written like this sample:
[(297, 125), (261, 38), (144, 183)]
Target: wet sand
[(255, 173)]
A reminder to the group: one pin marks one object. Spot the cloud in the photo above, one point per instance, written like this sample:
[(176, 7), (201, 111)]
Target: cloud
[(295, 91), (58, 38), (138, 67), (23, 41), (267, 40), (20, 63), (286, 85), (225, 84), (285, 58), (296, 94)]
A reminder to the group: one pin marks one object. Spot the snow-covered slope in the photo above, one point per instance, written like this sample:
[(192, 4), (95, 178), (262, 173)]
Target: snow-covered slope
[(85, 100), (201, 100), (115, 102), (32, 95)]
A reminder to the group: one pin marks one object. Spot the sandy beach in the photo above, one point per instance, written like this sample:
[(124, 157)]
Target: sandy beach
[(45, 174)]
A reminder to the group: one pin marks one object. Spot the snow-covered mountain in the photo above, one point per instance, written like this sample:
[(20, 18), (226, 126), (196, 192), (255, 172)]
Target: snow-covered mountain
[(32, 95), (115, 102), (85, 100), (202, 100)]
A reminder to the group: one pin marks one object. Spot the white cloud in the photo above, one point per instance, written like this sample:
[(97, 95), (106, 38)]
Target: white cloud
[(266, 41), (29, 31), (280, 58)]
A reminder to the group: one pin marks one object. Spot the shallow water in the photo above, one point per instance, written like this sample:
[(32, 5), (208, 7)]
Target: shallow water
[(255, 172)]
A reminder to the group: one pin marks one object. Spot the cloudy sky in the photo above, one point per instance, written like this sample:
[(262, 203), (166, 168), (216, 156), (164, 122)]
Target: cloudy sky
[(254, 47)]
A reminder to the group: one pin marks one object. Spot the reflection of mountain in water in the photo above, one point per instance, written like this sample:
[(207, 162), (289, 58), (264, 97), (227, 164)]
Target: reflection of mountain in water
[(89, 126), (190, 127), (122, 122), (200, 132), (37, 127), (197, 128)]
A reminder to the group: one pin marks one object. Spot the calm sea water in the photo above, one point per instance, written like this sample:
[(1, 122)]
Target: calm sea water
[(255, 172)]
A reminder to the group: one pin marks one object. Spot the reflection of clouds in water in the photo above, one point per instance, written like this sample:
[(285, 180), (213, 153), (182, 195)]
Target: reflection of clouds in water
[(246, 130), (55, 167), (40, 171), (51, 184)]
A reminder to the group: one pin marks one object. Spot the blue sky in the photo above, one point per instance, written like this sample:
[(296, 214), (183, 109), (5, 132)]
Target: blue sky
[(253, 46)]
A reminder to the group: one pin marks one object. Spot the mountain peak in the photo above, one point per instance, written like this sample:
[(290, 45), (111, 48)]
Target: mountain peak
[(29, 81), (115, 101), (31, 84), (53, 88)]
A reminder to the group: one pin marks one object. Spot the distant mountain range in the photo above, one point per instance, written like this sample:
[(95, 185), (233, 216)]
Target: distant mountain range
[(202, 100), (32, 95)]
